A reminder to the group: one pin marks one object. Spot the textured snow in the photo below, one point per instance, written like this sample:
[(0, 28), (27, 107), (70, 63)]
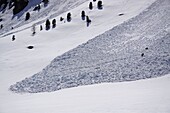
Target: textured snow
[(114, 56)]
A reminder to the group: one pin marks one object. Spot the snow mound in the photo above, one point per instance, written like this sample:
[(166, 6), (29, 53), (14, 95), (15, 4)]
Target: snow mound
[(137, 49)]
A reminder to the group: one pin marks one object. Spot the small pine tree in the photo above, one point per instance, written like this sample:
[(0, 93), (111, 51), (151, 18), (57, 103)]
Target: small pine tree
[(41, 28), (90, 6), (33, 29), (69, 17), (61, 18), (54, 23), (88, 21), (27, 16), (13, 37), (39, 7), (1, 26), (47, 24), (45, 1), (100, 5), (83, 15)]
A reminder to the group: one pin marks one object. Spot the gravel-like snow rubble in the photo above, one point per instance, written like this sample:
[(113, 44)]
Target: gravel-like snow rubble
[(136, 49)]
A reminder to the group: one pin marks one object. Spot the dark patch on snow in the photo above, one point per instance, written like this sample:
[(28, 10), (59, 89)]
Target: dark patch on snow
[(121, 14), (30, 47)]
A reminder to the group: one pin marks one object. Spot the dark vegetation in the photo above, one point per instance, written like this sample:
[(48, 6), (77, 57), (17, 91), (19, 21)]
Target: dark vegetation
[(100, 4), (54, 23), (37, 8), (13, 37), (47, 24), (1, 26), (90, 5), (19, 5), (69, 17), (61, 18), (83, 15), (41, 28), (27, 16)]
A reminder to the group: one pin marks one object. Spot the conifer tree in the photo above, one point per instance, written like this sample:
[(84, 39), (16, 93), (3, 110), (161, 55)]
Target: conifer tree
[(41, 28), (88, 21), (83, 15), (47, 24), (61, 18), (27, 16), (69, 17), (13, 37), (54, 23), (33, 30), (90, 6), (39, 7), (45, 1), (1, 26), (100, 5)]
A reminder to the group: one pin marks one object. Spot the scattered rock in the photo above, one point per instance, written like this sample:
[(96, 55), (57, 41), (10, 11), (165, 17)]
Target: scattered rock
[(142, 54), (121, 14), (30, 47)]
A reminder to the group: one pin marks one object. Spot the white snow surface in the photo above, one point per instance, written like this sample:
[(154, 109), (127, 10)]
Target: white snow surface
[(17, 62), (143, 96)]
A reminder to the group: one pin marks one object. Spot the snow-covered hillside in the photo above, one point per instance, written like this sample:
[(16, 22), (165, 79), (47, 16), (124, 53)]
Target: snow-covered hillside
[(137, 49), (53, 9), (144, 96)]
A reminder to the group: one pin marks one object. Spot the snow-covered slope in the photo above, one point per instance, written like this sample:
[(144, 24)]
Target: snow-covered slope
[(53, 9), (137, 49), (17, 62), (144, 96)]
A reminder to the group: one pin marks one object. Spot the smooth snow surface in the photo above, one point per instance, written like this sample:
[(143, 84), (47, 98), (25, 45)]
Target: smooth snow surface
[(144, 96)]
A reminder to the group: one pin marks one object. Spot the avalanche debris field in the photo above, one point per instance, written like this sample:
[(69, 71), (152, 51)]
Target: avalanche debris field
[(136, 49)]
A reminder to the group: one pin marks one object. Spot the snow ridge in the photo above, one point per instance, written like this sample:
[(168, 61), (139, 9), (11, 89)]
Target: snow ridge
[(137, 49)]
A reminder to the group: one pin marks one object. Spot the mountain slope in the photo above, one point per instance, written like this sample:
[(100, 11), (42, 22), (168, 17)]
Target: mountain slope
[(17, 63), (53, 9), (137, 49)]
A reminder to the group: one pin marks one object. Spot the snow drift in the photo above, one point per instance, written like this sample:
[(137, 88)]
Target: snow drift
[(136, 49)]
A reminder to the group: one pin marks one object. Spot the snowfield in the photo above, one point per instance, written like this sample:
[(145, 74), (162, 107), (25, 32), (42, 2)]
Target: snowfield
[(137, 49), (143, 96)]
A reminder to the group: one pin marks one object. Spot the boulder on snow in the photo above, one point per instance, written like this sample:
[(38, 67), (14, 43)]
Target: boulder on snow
[(30, 47)]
